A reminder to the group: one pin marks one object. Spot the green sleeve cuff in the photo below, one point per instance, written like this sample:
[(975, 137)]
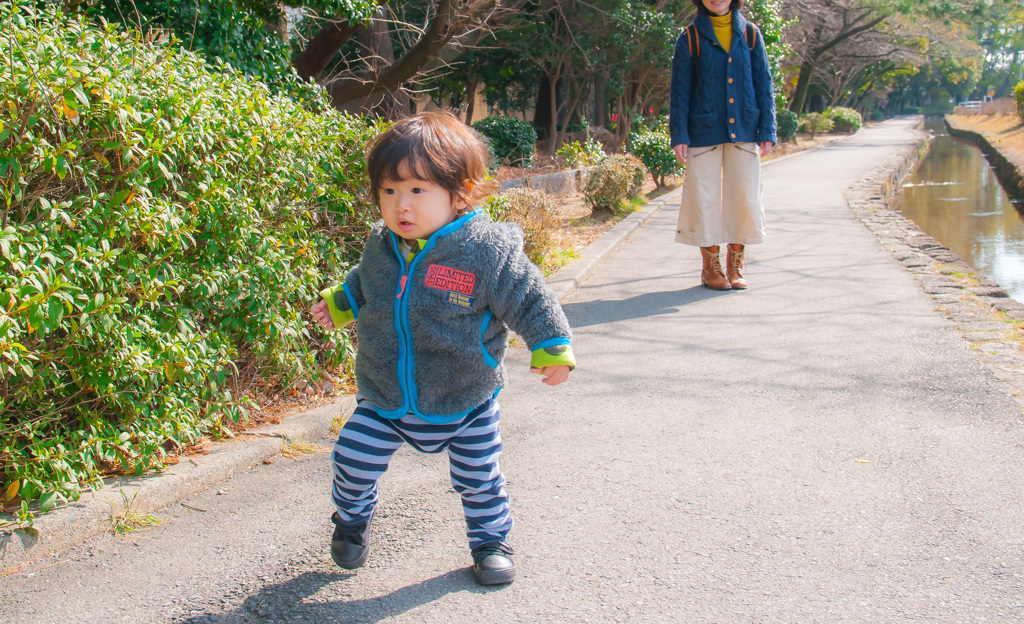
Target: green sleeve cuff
[(558, 355), (338, 306)]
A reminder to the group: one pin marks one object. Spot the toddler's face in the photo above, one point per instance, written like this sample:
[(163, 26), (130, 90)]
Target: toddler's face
[(414, 208)]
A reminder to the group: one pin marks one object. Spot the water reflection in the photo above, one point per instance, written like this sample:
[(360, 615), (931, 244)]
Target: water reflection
[(955, 197)]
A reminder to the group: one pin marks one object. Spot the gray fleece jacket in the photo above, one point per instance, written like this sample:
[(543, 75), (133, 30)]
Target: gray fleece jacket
[(433, 330)]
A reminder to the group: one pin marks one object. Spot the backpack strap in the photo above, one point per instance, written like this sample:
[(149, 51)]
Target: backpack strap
[(751, 36), (693, 41)]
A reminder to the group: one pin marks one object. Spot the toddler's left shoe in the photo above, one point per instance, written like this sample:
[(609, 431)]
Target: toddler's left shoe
[(492, 564), (350, 545)]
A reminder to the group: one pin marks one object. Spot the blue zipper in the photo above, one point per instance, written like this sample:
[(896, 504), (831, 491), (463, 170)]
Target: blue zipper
[(406, 362)]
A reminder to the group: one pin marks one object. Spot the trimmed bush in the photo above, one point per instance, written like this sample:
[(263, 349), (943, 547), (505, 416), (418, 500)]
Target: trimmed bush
[(815, 123), (513, 142), (535, 212), (876, 116), (584, 154), (653, 123), (634, 169), (787, 122), (164, 228), (844, 119), (654, 149), (611, 182), (1018, 94)]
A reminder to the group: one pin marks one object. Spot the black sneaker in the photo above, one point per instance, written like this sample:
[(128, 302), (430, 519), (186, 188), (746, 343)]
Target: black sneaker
[(492, 564), (350, 544)]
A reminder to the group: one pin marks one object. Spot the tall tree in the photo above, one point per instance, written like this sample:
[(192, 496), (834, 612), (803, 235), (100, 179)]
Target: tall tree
[(390, 44), (821, 25)]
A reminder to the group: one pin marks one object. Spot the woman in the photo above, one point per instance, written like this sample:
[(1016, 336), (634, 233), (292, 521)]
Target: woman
[(722, 121)]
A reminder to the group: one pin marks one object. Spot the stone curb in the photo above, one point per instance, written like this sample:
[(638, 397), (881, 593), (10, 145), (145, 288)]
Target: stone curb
[(991, 322), (566, 280), (1011, 177), (96, 512), (557, 184)]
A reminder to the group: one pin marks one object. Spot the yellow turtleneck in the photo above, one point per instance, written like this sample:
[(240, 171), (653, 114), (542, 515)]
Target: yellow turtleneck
[(723, 29)]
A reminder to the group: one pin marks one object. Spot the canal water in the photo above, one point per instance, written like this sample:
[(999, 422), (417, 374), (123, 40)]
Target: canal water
[(954, 197)]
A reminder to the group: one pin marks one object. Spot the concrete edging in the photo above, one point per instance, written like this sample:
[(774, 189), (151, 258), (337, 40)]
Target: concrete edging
[(566, 280), (1011, 177), (94, 513)]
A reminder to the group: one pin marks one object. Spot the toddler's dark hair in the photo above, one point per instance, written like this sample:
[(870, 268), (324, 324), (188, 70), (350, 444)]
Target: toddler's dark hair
[(436, 147)]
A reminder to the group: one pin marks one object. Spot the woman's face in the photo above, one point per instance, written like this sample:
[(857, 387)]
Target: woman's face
[(717, 7)]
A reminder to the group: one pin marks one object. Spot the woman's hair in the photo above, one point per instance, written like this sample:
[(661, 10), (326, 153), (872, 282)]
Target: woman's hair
[(435, 147), (735, 5)]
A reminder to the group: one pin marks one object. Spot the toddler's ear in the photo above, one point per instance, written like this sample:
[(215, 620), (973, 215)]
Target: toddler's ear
[(464, 198)]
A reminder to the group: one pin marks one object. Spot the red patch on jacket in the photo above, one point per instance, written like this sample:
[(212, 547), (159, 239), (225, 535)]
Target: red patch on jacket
[(447, 278)]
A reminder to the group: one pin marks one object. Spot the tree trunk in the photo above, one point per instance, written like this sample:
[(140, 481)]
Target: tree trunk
[(541, 110), (390, 77), (802, 85), (470, 101), (600, 102), (376, 41), (312, 61), (553, 111)]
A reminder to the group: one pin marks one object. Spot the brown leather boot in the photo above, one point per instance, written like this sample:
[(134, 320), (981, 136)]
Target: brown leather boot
[(711, 274), (734, 267)]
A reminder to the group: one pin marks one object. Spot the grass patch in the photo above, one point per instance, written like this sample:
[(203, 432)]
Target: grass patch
[(130, 519), (295, 450)]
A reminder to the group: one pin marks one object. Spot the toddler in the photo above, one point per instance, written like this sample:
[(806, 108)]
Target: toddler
[(435, 293)]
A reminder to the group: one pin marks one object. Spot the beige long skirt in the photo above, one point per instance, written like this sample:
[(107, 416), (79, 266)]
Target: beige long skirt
[(722, 196)]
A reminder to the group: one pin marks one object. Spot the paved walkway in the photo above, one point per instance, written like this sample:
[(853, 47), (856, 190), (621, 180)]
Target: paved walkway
[(823, 447)]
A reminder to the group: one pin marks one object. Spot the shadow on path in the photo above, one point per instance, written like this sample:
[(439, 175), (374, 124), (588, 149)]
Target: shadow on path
[(585, 314), (288, 601)]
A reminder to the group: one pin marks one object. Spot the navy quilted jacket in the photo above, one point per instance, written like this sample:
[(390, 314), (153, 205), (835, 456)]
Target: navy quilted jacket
[(723, 97)]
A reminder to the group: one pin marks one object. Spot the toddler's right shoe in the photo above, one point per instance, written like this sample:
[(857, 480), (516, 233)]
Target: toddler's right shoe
[(350, 544), (492, 564)]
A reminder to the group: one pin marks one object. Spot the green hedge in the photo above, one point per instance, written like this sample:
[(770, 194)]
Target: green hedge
[(1018, 94), (513, 142), (532, 210), (787, 123), (165, 225), (844, 119), (815, 124), (654, 149), (611, 182)]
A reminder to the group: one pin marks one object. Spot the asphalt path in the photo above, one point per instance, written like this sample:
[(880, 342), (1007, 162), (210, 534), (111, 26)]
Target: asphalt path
[(823, 447)]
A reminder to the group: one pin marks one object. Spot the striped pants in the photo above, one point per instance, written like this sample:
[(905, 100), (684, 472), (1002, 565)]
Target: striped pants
[(367, 442)]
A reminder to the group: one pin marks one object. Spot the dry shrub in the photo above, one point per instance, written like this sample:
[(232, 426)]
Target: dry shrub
[(533, 211), (610, 183)]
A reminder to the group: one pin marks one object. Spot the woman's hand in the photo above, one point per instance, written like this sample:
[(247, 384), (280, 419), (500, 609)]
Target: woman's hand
[(766, 148), (680, 151)]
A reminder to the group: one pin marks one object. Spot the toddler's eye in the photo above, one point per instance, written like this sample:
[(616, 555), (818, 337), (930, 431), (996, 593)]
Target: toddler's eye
[(389, 191), (417, 190)]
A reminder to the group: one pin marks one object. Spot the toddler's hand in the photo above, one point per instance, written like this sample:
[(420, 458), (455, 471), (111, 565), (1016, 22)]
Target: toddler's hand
[(553, 375), (322, 315)]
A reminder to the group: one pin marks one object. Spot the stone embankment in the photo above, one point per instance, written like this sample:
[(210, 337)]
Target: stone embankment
[(1001, 152), (556, 184), (982, 311)]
